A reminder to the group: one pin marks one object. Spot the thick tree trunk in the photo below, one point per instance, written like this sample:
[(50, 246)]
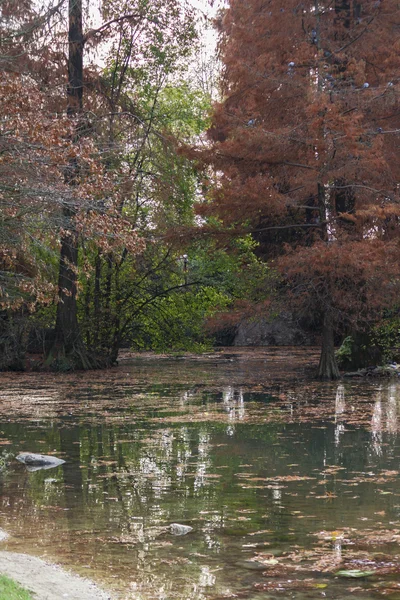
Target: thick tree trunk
[(68, 351), (327, 368), (75, 59)]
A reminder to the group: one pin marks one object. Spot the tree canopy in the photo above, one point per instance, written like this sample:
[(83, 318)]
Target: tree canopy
[(303, 151), (298, 173)]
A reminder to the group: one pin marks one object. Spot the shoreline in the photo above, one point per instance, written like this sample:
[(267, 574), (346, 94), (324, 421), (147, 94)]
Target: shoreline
[(48, 581)]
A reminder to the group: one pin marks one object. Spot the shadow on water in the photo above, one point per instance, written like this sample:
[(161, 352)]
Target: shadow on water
[(291, 487)]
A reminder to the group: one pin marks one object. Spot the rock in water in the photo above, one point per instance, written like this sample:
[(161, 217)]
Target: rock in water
[(177, 529), (34, 462)]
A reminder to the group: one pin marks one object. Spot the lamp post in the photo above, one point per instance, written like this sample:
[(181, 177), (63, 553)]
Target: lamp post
[(185, 268)]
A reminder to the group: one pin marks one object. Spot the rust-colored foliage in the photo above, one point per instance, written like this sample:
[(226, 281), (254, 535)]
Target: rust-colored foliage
[(304, 150), (39, 146)]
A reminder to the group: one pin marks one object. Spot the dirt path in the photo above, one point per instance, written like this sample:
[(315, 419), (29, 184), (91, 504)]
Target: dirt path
[(47, 581)]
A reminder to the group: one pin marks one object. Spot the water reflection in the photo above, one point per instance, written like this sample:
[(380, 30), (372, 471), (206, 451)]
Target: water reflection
[(385, 419), (391, 411), (234, 403), (377, 425), (340, 408), (250, 471)]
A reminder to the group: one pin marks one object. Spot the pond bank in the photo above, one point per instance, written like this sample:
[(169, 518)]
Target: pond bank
[(47, 581)]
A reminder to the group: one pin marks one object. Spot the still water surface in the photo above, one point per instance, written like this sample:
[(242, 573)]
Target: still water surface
[(284, 481)]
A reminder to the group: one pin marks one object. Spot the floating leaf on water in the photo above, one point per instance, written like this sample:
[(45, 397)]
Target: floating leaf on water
[(354, 573)]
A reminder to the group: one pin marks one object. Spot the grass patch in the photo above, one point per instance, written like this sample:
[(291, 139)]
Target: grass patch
[(10, 590)]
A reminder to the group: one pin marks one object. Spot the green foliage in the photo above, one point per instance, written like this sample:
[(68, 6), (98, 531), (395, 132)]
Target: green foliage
[(360, 350), (176, 322), (380, 346), (215, 279), (10, 590), (185, 108), (236, 271), (344, 353), (162, 299), (386, 336)]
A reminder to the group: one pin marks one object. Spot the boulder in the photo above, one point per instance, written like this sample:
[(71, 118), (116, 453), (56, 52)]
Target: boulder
[(34, 462)]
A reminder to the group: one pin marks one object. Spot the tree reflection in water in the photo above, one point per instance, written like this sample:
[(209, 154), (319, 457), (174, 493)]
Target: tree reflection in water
[(252, 470)]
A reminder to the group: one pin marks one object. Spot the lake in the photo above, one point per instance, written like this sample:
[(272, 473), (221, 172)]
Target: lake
[(291, 486)]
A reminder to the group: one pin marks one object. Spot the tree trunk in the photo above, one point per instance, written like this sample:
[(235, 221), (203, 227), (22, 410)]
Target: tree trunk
[(343, 12), (67, 328), (75, 59), (116, 329), (327, 368), (96, 302), (68, 351)]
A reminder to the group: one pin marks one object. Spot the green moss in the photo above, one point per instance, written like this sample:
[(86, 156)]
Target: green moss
[(10, 590)]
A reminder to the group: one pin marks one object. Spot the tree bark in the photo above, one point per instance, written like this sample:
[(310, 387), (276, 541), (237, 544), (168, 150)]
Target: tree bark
[(67, 328), (327, 368), (68, 351), (75, 59)]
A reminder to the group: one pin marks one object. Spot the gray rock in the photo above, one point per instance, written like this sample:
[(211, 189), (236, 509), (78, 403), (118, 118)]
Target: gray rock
[(177, 529), (34, 462)]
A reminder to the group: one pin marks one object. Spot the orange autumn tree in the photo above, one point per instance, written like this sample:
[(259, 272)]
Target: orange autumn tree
[(303, 147)]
